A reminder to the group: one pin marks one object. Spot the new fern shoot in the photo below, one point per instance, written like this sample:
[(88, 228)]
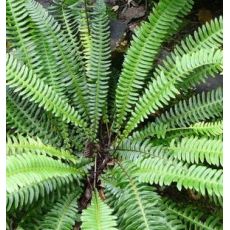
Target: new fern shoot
[(87, 151)]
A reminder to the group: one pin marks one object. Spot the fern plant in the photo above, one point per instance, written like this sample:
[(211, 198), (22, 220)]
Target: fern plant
[(93, 148)]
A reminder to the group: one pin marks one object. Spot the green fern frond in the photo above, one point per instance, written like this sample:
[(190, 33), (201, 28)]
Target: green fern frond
[(41, 192), (201, 107), (19, 32), (52, 75), (200, 75), (83, 12), (31, 177), (145, 46), (198, 108), (69, 67), (164, 86), (22, 79), (209, 36), (195, 218), (36, 217), (98, 216), (62, 215), (208, 128), (68, 21), (20, 145), (165, 172), (26, 118), (200, 129), (25, 169), (196, 150), (99, 64), (137, 205), (63, 14)]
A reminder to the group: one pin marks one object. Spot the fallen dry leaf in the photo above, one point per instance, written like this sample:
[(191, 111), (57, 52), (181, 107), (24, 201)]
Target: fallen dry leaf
[(204, 15)]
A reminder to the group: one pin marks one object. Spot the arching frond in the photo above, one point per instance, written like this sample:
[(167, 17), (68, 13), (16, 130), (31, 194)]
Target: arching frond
[(83, 12), (99, 64), (197, 108), (194, 218), (165, 172), (19, 33), (31, 176), (137, 205), (145, 46), (25, 169), (30, 86), (59, 44), (20, 145), (164, 86), (196, 150), (68, 21), (63, 14), (26, 118), (98, 215), (208, 36)]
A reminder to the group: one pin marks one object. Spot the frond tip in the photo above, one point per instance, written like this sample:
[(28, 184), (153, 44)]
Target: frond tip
[(98, 216)]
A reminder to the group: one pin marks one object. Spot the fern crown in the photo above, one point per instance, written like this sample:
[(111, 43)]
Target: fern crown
[(93, 147)]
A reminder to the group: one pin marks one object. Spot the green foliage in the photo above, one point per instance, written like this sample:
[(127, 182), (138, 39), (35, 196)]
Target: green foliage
[(98, 216), (62, 48), (165, 171), (195, 150), (196, 109), (164, 86), (62, 215), (18, 145), (26, 118), (20, 33), (138, 205), (19, 77), (195, 218), (208, 128), (145, 46), (77, 153), (31, 176), (99, 64)]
